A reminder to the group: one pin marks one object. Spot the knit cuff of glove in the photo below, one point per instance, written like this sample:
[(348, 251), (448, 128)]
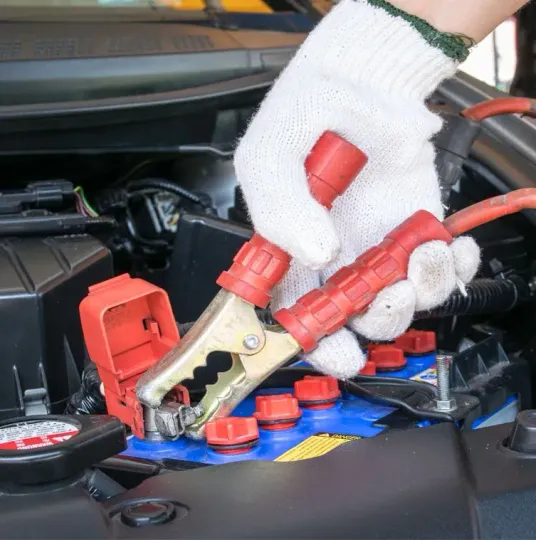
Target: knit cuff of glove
[(375, 45), (455, 46)]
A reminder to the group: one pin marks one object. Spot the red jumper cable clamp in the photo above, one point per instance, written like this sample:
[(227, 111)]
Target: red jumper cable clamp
[(230, 323)]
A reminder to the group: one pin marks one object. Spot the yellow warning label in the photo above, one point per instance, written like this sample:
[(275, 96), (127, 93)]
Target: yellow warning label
[(316, 445)]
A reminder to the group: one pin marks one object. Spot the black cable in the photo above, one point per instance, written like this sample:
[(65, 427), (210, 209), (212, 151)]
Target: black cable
[(170, 187), (204, 198), (420, 386), (154, 243), (483, 296), (361, 391), (287, 376), (386, 384), (138, 169), (88, 399), (265, 316)]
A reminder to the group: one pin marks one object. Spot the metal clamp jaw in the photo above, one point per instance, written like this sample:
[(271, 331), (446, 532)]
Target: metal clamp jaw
[(229, 324)]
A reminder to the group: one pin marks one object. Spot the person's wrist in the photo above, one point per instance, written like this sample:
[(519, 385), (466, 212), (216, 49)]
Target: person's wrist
[(427, 18), (474, 19), (449, 17), (374, 45)]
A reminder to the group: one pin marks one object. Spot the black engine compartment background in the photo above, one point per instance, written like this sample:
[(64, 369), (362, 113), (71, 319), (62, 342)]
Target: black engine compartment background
[(429, 483)]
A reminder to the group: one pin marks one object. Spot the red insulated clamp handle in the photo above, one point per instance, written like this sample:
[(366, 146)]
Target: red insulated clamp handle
[(331, 166), (350, 291)]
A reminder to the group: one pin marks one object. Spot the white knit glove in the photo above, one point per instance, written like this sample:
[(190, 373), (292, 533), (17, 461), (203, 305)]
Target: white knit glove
[(364, 74)]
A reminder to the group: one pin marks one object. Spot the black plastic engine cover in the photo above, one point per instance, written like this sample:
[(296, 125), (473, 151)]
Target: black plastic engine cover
[(204, 247), (424, 483), (42, 282)]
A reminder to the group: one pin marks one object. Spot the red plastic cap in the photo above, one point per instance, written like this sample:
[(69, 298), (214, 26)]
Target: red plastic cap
[(368, 369), (331, 166), (257, 268), (232, 431), (277, 412), (386, 357), (417, 342), (317, 392)]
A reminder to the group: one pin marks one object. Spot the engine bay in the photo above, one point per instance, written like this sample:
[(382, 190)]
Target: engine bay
[(105, 271)]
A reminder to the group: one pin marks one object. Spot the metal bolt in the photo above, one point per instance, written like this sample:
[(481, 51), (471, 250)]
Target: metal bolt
[(151, 431), (443, 362), (251, 342), (444, 402)]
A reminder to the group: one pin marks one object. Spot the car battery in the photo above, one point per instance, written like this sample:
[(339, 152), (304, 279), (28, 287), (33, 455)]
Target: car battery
[(307, 416)]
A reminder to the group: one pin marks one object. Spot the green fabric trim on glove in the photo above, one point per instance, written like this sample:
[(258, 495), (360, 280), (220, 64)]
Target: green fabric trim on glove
[(455, 46)]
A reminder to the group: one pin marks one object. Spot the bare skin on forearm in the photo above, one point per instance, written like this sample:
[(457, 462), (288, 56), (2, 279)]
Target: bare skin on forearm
[(473, 18)]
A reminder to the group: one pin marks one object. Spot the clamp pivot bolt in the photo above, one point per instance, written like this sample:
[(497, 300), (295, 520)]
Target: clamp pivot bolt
[(251, 342)]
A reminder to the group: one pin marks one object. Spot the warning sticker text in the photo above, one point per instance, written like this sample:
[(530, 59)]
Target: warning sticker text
[(316, 445)]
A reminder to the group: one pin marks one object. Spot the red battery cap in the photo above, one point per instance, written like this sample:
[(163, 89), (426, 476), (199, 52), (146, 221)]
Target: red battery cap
[(387, 357), (368, 369), (317, 392), (232, 435), (417, 342), (277, 412)]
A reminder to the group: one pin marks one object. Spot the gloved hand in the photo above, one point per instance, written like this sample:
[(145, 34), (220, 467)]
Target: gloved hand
[(363, 73)]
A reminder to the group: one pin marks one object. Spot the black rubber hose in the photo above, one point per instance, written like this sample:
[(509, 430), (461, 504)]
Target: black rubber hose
[(484, 296), (170, 187), (87, 400)]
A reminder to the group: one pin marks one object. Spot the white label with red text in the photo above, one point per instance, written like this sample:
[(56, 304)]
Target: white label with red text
[(37, 434)]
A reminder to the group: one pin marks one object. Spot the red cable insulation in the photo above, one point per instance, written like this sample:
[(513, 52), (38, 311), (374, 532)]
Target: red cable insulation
[(496, 107), (490, 209)]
